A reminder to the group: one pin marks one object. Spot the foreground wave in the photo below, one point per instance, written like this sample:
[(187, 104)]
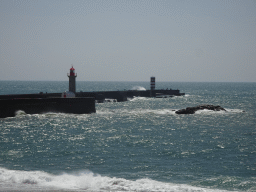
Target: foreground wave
[(85, 181)]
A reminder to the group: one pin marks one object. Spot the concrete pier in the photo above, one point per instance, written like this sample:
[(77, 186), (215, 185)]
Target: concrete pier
[(78, 103), (43, 105), (84, 102)]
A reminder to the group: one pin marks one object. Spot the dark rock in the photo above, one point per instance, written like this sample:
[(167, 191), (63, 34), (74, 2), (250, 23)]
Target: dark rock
[(192, 110)]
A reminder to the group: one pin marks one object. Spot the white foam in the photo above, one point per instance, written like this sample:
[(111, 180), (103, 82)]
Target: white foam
[(138, 112), (138, 88), (206, 111), (165, 111), (20, 113), (235, 110), (84, 180), (152, 111), (138, 98), (104, 112)]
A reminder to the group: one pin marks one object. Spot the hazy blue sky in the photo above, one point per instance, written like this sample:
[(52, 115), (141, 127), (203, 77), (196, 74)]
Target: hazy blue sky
[(128, 40)]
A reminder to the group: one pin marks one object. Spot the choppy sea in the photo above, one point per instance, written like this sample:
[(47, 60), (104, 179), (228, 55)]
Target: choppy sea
[(138, 145)]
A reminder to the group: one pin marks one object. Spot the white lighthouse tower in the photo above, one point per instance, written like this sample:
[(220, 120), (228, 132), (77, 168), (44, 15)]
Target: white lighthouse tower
[(72, 80)]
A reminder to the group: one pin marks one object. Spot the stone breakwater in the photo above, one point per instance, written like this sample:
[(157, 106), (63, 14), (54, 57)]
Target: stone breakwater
[(84, 105), (192, 110)]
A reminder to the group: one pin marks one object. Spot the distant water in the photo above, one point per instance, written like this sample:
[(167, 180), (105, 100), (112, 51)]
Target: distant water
[(139, 145)]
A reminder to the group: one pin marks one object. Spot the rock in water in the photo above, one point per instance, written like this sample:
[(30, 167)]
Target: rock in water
[(192, 110)]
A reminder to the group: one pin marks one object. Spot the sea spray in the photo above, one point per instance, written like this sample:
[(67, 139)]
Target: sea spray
[(138, 88)]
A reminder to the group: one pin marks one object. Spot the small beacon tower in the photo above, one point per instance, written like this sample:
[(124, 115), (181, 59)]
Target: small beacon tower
[(152, 86), (72, 80)]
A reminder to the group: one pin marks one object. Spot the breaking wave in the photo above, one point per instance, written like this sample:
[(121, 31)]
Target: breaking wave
[(20, 113), (85, 181), (164, 111), (138, 98), (138, 88), (206, 111)]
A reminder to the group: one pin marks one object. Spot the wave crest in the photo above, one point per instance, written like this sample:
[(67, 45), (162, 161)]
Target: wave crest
[(138, 88), (83, 180)]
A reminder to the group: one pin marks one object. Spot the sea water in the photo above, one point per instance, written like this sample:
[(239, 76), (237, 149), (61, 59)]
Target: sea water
[(138, 145)]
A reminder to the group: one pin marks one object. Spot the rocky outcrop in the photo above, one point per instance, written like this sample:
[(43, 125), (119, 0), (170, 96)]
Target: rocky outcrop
[(192, 110)]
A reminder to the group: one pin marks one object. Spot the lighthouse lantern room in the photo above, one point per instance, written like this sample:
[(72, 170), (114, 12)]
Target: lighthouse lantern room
[(72, 80)]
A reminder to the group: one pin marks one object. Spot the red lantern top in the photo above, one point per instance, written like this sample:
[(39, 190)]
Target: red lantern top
[(72, 71)]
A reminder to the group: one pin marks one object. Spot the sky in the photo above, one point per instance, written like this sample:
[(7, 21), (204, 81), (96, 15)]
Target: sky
[(128, 40)]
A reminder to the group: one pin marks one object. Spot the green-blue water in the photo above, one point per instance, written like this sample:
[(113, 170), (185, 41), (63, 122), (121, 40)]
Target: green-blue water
[(138, 145)]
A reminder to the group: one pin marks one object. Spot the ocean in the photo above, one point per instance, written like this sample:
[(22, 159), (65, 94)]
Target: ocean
[(140, 145)]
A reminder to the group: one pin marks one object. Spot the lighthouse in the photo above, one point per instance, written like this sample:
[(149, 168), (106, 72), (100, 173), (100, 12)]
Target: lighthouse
[(72, 80), (152, 86)]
